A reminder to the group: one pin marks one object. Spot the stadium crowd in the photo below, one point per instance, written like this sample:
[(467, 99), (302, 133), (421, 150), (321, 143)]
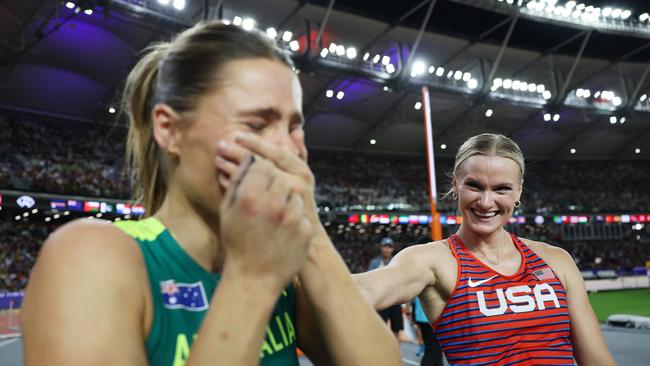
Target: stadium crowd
[(85, 160), (89, 161)]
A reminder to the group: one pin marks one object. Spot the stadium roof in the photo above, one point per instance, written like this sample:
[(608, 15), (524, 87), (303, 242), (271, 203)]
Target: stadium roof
[(62, 65)]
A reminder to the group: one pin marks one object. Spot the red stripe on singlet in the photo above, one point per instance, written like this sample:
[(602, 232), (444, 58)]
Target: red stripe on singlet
[(506, 320)]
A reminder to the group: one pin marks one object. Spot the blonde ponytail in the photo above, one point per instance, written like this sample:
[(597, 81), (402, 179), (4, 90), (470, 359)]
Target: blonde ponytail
[(147, 175)]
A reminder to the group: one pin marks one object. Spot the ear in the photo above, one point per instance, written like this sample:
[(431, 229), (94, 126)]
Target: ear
[(521, 189), (454, 183), (165, 128)]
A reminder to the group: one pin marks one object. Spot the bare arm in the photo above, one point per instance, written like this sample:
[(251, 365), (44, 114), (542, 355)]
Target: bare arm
[(404, 278), (353, 332), (82, 305), (588, 341)]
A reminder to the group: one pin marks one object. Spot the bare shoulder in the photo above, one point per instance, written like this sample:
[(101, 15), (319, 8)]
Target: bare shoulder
[(90, 239), (93, 247), (549, 251)]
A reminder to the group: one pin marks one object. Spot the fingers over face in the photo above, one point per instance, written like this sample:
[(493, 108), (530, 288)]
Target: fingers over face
[(284, 159)]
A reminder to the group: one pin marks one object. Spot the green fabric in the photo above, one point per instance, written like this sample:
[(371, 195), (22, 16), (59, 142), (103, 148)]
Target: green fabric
[(174, 329)]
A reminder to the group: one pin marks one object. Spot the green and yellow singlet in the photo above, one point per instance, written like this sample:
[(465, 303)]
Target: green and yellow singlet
[(181, 291)]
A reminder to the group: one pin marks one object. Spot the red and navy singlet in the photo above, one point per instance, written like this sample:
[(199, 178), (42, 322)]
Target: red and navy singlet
[(492, 319)]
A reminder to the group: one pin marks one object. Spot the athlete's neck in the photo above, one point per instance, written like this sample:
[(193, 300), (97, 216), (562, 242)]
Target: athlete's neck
[(486, 244), (191, 230)]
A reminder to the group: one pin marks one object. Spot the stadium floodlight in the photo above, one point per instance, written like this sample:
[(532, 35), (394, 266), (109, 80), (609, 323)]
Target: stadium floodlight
[(271, 32), (373, 141), (643, 98), (17, 217), (70, 5), (56, 216), (163, 2), (570, 4), (523, 86), (489, 112), (573, 151), (417, 105), (237, 20), (450, 74), (385, 88), (458, 75), (351, 52), (547, 117), (294, 45), (622, 120), (637, 151), (532, 87), (385, 60), (440, 71), (644, 17), (607, 12), (556, 117), (579, 93), (626, 14), (287, 35), (332, 47), (88, 11), (418, 68), (111, 110), (324, 52), (546, 95), (472, 84), (390, 68), (432, 69), (329, 93), (516, 84), (586, 93), (444, 146), (179, 4), (507, 84), (248, 24), (467, 76), (617, 101), (498, 82), (613, 119), (366, 56), (616, 13), (340, 95), (376, 59), (340, 50), (47, 219)]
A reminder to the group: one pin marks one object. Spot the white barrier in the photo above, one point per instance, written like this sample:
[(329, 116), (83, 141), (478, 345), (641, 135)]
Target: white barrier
[(628, 282)]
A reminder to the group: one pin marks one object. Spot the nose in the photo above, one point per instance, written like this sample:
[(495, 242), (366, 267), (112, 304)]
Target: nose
[(486, 200), (282, 138)]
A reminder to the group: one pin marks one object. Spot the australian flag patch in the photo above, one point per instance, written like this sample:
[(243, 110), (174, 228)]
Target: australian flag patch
[(186, 296)]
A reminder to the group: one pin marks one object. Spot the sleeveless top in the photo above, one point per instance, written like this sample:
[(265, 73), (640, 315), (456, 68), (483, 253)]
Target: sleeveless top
[(181, 291), (492, 319)]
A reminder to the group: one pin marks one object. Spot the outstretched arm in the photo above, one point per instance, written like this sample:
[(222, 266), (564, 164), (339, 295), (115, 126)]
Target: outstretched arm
[(404, 278)]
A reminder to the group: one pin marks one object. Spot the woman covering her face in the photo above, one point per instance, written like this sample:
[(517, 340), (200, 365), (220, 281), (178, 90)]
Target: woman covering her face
[(231, 265), (493, 298)]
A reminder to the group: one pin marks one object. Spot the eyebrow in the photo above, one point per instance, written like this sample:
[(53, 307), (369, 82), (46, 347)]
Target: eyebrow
[(273, 114), (498, 185)]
